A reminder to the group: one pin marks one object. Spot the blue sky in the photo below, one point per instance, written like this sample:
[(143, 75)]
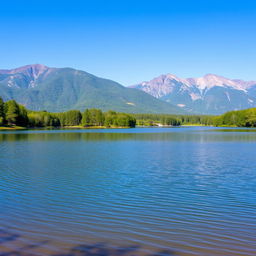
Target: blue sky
[(132, 41)]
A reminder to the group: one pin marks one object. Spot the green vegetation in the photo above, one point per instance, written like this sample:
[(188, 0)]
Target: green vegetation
[(204, 120), (119, 119), (62, 89), (42, 119), (240, 118), (173, 120), (93, 117), (1, 111), (69, 118), (13, 115)]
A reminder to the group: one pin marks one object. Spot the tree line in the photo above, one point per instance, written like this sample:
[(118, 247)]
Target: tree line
[(14, 114), (240, 118), (173, 120)]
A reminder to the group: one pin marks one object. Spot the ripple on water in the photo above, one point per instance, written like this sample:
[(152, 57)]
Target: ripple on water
[(136, 192)]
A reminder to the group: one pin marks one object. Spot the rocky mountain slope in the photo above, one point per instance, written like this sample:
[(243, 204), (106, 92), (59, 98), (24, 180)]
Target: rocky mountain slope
[(39, 87), (210, 94)]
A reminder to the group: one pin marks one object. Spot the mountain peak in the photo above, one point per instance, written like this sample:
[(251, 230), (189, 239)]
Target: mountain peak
[(172, 76), (210, 80), (35, 68), (60, 89), (29, 72), (211, 75), (209, 94)]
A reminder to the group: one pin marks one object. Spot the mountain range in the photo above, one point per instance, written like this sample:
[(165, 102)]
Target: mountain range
[(39, 87), (210, 94)]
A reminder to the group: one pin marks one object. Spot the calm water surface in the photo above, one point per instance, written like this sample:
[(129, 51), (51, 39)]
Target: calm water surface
[(142, 191)]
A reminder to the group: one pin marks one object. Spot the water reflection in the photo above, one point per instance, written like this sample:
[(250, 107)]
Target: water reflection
[(180, 191), (208, 135)]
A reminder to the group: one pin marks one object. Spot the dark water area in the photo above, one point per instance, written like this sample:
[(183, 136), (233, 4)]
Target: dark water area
[(142, 191)]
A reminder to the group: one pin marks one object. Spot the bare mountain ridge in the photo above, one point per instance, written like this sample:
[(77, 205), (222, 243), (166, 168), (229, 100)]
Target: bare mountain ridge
[(39, 87), (210, 94)]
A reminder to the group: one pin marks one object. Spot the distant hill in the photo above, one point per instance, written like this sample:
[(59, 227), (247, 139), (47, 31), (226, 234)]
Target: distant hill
[(211, 94), (59, 89)]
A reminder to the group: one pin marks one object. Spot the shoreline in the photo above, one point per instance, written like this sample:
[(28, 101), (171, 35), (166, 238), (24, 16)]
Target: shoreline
[(19, 128), (6, 128), (14, 128)]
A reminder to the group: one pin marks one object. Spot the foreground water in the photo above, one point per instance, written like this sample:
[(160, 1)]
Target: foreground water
[(142, 191)]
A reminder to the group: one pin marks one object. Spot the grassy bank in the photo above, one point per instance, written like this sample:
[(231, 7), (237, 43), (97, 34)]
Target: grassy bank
[(10, 128)]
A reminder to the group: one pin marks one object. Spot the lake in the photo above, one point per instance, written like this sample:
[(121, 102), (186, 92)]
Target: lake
[(141, 191)]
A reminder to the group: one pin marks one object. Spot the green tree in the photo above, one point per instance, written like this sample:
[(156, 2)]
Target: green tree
[(97, 117), (1, 111), (119, 119), (11, 112), (86, 118), (62, 118), (109, 118), (22, 119), (73, 117), (43, 119)]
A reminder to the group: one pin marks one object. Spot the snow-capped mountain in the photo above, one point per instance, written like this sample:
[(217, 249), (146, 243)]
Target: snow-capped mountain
[(210, 94)]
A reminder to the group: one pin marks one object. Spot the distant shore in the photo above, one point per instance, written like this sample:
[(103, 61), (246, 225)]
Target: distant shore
[(14, 128), (19, 128)]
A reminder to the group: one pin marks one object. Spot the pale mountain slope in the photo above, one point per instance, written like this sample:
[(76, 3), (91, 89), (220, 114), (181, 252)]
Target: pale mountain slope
[(210, 94), (59, 89)]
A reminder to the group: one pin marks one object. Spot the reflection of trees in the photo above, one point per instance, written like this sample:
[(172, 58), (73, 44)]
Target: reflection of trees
[(196, 136)]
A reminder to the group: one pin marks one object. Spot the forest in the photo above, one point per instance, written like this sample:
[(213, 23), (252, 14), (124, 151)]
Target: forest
[(13, 114), (173, 120), (239, 118)]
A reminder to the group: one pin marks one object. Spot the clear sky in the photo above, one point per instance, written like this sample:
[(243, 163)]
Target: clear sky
[(130, 41)]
